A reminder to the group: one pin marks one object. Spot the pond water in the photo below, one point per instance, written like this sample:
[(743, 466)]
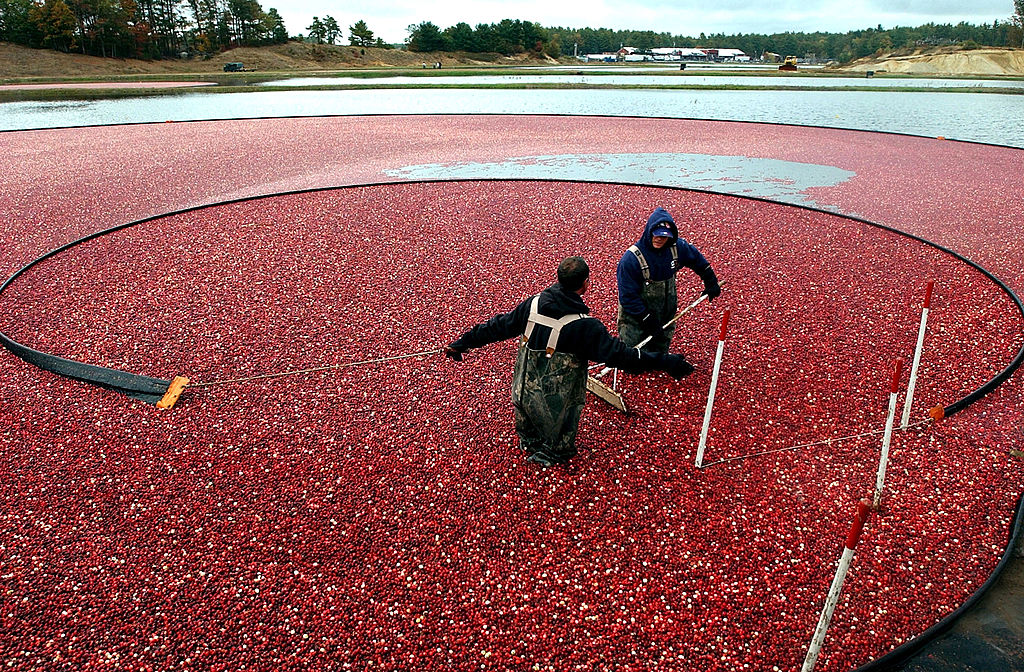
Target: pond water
[(676, 78), (980, 117), (713, 66)]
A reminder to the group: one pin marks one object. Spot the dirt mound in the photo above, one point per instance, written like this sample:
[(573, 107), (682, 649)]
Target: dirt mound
[(946, 61), (16, 61)]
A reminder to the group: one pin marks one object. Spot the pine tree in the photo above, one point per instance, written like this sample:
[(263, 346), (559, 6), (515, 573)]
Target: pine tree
[(316, 30), (331, 30), (360, 35)]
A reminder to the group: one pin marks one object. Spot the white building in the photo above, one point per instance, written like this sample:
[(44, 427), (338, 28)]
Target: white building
[(732, 55), (675, 54)]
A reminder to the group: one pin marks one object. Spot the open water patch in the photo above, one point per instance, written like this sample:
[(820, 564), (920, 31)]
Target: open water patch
[(786, 181)]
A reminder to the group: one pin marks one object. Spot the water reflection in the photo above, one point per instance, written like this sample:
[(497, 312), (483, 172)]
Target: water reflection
[(774, 179), (676, 78), (988, 117)]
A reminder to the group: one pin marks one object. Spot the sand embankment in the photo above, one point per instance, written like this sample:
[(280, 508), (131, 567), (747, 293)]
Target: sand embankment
[(985, 61)]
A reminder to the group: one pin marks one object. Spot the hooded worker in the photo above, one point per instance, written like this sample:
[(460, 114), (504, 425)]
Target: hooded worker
[(647, 282), (557, 339)]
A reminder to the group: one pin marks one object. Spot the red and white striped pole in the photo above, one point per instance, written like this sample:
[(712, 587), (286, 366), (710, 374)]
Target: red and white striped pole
[(863, 510), (711, 393), (909, 401), (887, 437)]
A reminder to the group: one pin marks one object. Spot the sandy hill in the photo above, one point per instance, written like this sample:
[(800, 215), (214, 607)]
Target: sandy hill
[(16, 61), (946, 61)]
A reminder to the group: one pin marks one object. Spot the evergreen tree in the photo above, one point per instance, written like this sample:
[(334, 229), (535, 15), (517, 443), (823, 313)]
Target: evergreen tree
[(1018, 19), (426, 37), (316, 31), (16, 25), (461, 37), (277, 33), (359, 35), (331, 30)]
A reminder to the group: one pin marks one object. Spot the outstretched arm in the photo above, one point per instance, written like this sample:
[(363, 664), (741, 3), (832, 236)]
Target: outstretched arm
[(600, 346), (498, 328)]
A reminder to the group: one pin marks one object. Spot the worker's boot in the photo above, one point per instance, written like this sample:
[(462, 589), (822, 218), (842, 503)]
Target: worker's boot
[(546, 457), (542, 458)]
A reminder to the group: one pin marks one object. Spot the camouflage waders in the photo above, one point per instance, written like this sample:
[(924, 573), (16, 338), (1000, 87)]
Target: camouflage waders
[(548, 391), (660, 299)]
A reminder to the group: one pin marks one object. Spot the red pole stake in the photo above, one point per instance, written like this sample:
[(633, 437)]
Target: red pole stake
[(909, 401), (863, 511)]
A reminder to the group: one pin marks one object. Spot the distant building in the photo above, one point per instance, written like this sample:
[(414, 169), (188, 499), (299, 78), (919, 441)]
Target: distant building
[(732, 55), (677, 54), (633, 55), (695, 54), (692, 54)]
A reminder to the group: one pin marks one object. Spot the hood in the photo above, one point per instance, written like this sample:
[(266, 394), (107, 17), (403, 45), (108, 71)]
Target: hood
[(659, 217)]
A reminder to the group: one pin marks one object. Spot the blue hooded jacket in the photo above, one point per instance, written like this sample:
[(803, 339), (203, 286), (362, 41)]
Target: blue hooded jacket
[(631, 278)]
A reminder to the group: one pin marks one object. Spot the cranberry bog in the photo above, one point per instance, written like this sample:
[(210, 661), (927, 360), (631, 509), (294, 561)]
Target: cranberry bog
[(380, 515)]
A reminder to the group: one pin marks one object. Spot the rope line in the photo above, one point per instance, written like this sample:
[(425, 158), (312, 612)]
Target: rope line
[(314, 369), (817, 443)]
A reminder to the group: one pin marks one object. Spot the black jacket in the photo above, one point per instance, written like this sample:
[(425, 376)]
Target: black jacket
[(587, 338)]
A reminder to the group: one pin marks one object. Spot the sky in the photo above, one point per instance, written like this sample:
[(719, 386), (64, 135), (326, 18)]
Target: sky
[(388, 19)]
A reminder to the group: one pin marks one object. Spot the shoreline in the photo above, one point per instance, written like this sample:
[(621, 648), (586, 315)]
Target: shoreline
[(107, 89)]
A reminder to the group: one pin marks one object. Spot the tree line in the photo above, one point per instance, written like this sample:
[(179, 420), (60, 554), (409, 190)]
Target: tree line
[(327, 31), (514, 37), (139, 28), (168, 28)]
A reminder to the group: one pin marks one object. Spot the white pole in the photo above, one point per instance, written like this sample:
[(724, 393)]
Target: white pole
[(863, 509), (909, 401), (887, 437), (711, 392)]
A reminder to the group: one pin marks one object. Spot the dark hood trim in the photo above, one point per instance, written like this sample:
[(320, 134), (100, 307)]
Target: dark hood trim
[(660, 217)]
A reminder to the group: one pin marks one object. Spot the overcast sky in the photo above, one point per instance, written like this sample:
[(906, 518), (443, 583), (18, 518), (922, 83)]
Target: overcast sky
[(388, 19)]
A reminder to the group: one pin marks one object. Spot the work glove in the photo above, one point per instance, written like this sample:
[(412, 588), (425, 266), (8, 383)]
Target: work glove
[(454, 352), (711, 287), (650, 325), (676, 366)]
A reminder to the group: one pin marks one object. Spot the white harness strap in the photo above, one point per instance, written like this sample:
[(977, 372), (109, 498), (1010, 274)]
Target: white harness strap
[(545, 321), (644, 268)]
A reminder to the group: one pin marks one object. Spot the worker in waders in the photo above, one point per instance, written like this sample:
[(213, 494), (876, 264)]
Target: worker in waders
[(647, 282), (557, 339)]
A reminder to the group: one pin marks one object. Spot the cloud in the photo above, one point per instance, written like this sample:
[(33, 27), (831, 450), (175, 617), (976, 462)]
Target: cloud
[(943, 8)]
